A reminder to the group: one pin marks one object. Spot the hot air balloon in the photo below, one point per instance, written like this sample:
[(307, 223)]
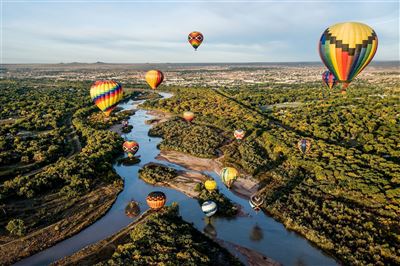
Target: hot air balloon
[(156, 200), (188, 116), (329, 79), (209, 208), (195, 38), (154, 78), (106, 94), (239, 134), (210, 185), (132, 209), (304, 146), (229, 175), (256, 201), (346, 49), (130, 147)]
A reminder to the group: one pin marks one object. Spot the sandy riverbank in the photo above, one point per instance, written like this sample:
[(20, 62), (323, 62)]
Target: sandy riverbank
[(244, 186)]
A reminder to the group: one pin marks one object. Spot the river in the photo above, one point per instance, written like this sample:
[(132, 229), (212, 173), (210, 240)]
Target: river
[(257, 231)]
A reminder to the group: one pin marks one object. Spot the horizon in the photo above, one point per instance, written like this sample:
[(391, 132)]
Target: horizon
[(189, 63)]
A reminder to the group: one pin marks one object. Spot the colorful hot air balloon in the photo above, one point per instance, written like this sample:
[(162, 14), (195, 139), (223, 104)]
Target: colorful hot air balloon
[(195, 38), (239, 134), (329, 79), (106, 94), (154, 78), (229, 175), (130, 147), (304, 146), (346, 49), (156, 200), (209, 208), (210, 185), (188, 116), (256, 201)]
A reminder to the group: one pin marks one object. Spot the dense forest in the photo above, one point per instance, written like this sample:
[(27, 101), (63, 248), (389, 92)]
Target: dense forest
[(345, 194), (53, 153)]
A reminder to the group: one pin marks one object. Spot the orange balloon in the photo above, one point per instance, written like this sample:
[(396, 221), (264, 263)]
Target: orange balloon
[(156, 200)]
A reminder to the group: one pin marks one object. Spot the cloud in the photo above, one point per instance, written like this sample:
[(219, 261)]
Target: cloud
[(157, 32)]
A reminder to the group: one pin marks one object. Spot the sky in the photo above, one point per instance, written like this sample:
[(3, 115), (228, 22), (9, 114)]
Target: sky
[(123, 31)]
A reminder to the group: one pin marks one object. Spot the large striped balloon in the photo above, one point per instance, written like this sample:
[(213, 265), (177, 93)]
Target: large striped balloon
[(347, 48), (229, 175), (195, 38), (209, 208), (106, 94), (329, 79), (154, 78)]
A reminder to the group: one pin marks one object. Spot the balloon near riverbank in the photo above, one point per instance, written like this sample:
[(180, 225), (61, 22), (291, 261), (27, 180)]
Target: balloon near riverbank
[(195, 38), (130, 147), (229, 176), (154, 78), (304, 146), (156, 200), (209, 208), (346, 49), (188, 116), (239, 134), (256, 201), (106, 94), (210, 185)]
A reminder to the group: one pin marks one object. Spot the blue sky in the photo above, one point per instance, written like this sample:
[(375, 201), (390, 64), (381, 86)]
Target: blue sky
[(139, 32)]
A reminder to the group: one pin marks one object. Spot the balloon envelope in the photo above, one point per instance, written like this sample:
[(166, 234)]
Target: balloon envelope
[(329, 79), (209, 208), (210, 185), (156, 200), (256, 202), (195, 38), (188, 116), (347, 48), (154, 78), (239, 134), (229, 175), (130, 147), (106, 94), (304, 146)]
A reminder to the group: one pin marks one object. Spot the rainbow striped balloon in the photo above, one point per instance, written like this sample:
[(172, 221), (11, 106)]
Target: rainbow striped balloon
[(106, 94), (347, 48)]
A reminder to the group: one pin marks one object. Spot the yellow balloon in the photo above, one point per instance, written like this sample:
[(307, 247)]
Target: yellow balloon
[(210, 185), (154, 78)]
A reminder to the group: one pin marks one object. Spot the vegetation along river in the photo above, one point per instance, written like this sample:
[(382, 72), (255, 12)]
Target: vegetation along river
[(257, 231)]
